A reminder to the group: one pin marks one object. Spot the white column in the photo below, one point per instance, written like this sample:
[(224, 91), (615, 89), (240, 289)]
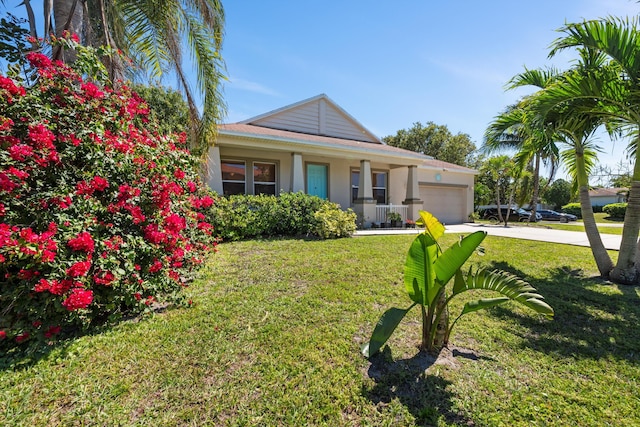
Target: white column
[(365, 204), (412, 184), (412, 200), (365, 189), (214, 174), (297, 173)]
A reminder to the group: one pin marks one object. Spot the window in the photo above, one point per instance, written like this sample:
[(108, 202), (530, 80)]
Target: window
[(378, 186), (264, 178), (355, 183), (233, 177)]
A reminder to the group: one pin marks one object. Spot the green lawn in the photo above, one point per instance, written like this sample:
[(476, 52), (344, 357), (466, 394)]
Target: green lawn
[(274, 339)]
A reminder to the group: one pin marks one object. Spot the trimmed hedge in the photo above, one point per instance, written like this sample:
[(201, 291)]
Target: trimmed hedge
[(573, 208), (615, 210), (239, 217)]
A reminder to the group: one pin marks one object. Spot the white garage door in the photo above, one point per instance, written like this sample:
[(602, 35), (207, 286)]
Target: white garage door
[(448, 204)]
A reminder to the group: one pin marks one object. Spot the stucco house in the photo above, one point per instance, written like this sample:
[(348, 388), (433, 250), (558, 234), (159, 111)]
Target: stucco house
[(316, 147), (606, 196)]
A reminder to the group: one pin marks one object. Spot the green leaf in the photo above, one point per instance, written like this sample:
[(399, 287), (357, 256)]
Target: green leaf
[(432, 226), (453, 258), (419, 274), (383, 330), (482, 304), (509, 286)]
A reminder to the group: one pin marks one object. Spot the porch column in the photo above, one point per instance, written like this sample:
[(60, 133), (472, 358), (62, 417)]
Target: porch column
[(297, 173), (413, 194), (365, 204), (214, 174)]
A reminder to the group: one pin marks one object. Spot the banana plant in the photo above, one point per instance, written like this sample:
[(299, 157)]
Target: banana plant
[(428, 270)]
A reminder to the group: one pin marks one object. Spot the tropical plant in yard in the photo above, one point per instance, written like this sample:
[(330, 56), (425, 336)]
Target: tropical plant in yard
[(427, 271), (569, 127), (610, 92)]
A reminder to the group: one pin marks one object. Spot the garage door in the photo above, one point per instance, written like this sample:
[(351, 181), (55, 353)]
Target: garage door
[(448, 204)]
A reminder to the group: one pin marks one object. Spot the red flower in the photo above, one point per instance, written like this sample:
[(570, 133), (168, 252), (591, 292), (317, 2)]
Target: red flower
[(104, 278), (53, 330), (41, 136), (20, 152), (22, 337), (42, 285), (91, 90), (78, 269), (99, 184), (82, 242), (3, 335), (174, 223), (8, 85), (38, 60), (79, 298), (153, 235), (156, 266)]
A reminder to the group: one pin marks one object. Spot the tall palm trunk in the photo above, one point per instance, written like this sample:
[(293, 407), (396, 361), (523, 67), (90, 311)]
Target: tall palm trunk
[(625, 270), (536, 188), (600, 254), (69, 15)]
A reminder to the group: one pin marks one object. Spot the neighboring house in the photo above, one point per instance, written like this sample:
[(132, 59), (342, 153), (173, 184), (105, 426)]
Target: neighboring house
[(605, 196), (316, 147)]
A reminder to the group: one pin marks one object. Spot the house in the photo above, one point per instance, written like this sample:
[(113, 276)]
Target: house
[(316, 147), (605, 196)]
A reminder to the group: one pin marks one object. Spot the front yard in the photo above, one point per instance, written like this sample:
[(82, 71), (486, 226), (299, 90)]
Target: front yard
[(274, 338)]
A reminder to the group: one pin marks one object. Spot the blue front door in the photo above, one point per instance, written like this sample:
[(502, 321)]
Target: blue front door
[(317, 182)]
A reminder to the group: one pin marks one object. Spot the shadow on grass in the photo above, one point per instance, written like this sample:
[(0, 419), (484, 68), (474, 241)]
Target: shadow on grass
[(424, 395), (22, 357), (593, 318)]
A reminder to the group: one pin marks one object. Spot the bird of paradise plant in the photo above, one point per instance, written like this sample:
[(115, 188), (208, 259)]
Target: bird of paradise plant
[(427, 271)]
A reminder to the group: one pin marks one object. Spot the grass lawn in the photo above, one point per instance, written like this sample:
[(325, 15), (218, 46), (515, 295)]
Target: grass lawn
[(274, 339)]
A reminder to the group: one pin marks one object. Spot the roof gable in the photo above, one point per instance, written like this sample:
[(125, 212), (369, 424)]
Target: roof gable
[(315, 116)]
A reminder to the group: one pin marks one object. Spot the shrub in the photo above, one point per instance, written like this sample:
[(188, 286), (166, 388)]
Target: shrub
[(615, 210), (99, 216), (573, 208), (331, 222), (239, 217)]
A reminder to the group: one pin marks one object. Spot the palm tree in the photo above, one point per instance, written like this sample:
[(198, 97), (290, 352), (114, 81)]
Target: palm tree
[(514, 130), (153, 34), (543, 129), (613, 93)]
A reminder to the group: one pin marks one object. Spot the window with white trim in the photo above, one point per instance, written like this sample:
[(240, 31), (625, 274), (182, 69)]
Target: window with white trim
[(233, 177), (264, 178)]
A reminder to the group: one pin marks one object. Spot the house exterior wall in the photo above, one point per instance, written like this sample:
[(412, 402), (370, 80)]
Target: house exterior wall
[(303, 119), (605, 200)]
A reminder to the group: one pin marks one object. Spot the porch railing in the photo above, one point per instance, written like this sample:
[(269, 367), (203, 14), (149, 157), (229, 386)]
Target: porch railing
[(383, 211)]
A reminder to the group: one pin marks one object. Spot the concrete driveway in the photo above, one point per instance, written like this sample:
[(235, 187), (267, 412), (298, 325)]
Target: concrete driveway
[(516, 231)]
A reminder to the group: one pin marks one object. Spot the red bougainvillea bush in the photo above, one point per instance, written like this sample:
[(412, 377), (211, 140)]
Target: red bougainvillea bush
[(100, 217)]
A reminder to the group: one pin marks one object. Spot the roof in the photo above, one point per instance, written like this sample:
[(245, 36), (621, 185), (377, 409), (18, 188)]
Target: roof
[(607, 192), (252, 131), (248, 131)]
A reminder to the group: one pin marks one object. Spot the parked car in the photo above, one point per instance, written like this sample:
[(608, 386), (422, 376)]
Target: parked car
[(549, 215), (514, 214)]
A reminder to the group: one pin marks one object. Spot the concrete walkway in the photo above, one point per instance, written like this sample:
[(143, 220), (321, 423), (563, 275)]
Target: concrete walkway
[(516, 231)]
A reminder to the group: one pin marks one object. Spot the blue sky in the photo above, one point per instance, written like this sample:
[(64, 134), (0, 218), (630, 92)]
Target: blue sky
[(390, 64)]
